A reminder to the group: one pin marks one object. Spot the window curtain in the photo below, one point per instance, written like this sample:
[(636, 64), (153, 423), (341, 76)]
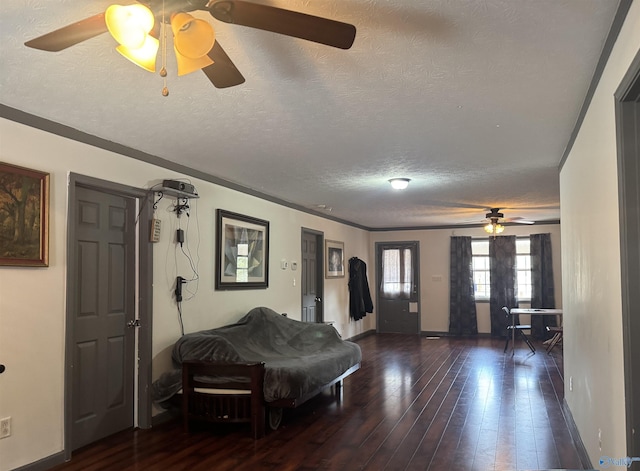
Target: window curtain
[(502, 269), (542, 291), (462, 302)]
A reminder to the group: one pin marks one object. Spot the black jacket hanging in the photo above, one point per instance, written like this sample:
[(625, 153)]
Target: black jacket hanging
[(359, 296)]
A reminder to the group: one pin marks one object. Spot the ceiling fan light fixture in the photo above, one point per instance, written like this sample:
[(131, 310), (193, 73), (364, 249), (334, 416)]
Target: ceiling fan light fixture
[(192, 37), (399, 183), (494, 228), (129, 25), (192, 40), (144, 56), (187, 65)]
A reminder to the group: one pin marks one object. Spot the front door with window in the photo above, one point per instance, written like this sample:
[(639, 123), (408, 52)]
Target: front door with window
[(397, 287), (311, 276)]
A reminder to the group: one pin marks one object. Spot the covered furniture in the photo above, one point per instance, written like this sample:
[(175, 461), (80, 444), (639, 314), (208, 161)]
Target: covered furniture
[(217, 366)]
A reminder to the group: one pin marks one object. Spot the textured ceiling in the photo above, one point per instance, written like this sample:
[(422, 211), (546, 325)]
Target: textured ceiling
[(474, 100)]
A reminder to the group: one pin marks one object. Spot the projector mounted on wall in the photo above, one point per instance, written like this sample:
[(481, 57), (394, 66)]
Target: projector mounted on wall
[(179, 189)]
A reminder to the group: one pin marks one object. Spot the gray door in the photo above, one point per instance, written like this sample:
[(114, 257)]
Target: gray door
[(311, 276), (628, 123), (397, 287), (104, 310)]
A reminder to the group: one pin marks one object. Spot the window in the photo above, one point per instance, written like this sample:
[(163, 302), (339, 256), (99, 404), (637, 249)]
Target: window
[(397, 272), (480, 261), (481, 273), (523, 269)]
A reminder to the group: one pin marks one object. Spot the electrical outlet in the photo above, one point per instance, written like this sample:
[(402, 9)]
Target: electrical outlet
[(600, 439), (5, 427)]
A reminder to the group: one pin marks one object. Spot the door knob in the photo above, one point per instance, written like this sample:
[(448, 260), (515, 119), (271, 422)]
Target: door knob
[(318, 299), (134, 323)]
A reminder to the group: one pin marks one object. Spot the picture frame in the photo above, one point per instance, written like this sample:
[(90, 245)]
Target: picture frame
[(334, 259), (242, 251), (24, 217)]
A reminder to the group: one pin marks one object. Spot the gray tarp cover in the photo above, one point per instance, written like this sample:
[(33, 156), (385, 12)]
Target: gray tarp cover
[(299, 357)]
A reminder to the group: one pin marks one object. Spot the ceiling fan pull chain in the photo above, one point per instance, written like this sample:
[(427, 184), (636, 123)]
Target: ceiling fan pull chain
[(163, 70)]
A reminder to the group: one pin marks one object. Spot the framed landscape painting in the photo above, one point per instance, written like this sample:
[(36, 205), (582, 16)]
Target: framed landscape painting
[(242, 252), (24, 217)]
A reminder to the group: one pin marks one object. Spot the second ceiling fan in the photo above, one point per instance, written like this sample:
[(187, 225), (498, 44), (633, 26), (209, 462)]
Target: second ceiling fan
[(193, 36), (495, 217)]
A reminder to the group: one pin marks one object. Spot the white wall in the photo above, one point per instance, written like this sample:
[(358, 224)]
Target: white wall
[(211, 308), (32, 300), (591, 263), (434, 269)]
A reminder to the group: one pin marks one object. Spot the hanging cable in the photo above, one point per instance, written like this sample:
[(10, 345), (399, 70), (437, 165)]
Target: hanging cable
[(180, 318)]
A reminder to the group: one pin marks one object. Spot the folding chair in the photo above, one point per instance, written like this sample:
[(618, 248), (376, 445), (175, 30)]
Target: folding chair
[(518, 328), (557, 337)]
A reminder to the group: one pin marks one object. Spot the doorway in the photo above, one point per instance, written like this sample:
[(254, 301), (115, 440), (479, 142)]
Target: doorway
[(312, 282), (628, 137), (108, 319), (397, 281)]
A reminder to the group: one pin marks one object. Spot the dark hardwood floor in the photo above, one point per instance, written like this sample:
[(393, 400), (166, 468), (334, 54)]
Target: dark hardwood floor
[(416, 404)]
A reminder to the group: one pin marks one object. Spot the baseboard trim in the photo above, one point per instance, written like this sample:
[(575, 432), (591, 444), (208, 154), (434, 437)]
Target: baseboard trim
[(165, 416), (575, 436), (44, 464), (434, 333), (362, 335)]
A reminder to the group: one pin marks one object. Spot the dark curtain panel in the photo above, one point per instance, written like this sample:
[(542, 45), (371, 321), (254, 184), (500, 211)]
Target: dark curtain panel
[(502, 260), (462, 303), (542, 292)]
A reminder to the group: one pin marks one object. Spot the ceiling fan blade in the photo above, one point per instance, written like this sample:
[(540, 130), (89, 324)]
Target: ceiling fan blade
[(518, 220), (287, 22), (70, 35), (222, 73)]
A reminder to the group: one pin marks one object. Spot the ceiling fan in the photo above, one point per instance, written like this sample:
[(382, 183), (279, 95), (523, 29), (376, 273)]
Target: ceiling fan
[(495, 214), (495, 217), (193, 36)]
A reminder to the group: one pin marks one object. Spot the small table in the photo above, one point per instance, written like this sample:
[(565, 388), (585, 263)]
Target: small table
[(532, 312)]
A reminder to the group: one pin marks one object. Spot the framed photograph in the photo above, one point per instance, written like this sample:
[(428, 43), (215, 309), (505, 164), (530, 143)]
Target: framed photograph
[(24, 217), (242, 252), (334, 259)]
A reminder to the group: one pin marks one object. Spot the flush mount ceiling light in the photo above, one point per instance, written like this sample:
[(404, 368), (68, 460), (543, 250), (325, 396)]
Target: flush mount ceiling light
[(400, 183)]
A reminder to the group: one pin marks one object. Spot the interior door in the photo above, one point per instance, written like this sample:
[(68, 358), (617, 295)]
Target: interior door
[(311, 276), (103, 356), (628, 134), (397, 287)]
